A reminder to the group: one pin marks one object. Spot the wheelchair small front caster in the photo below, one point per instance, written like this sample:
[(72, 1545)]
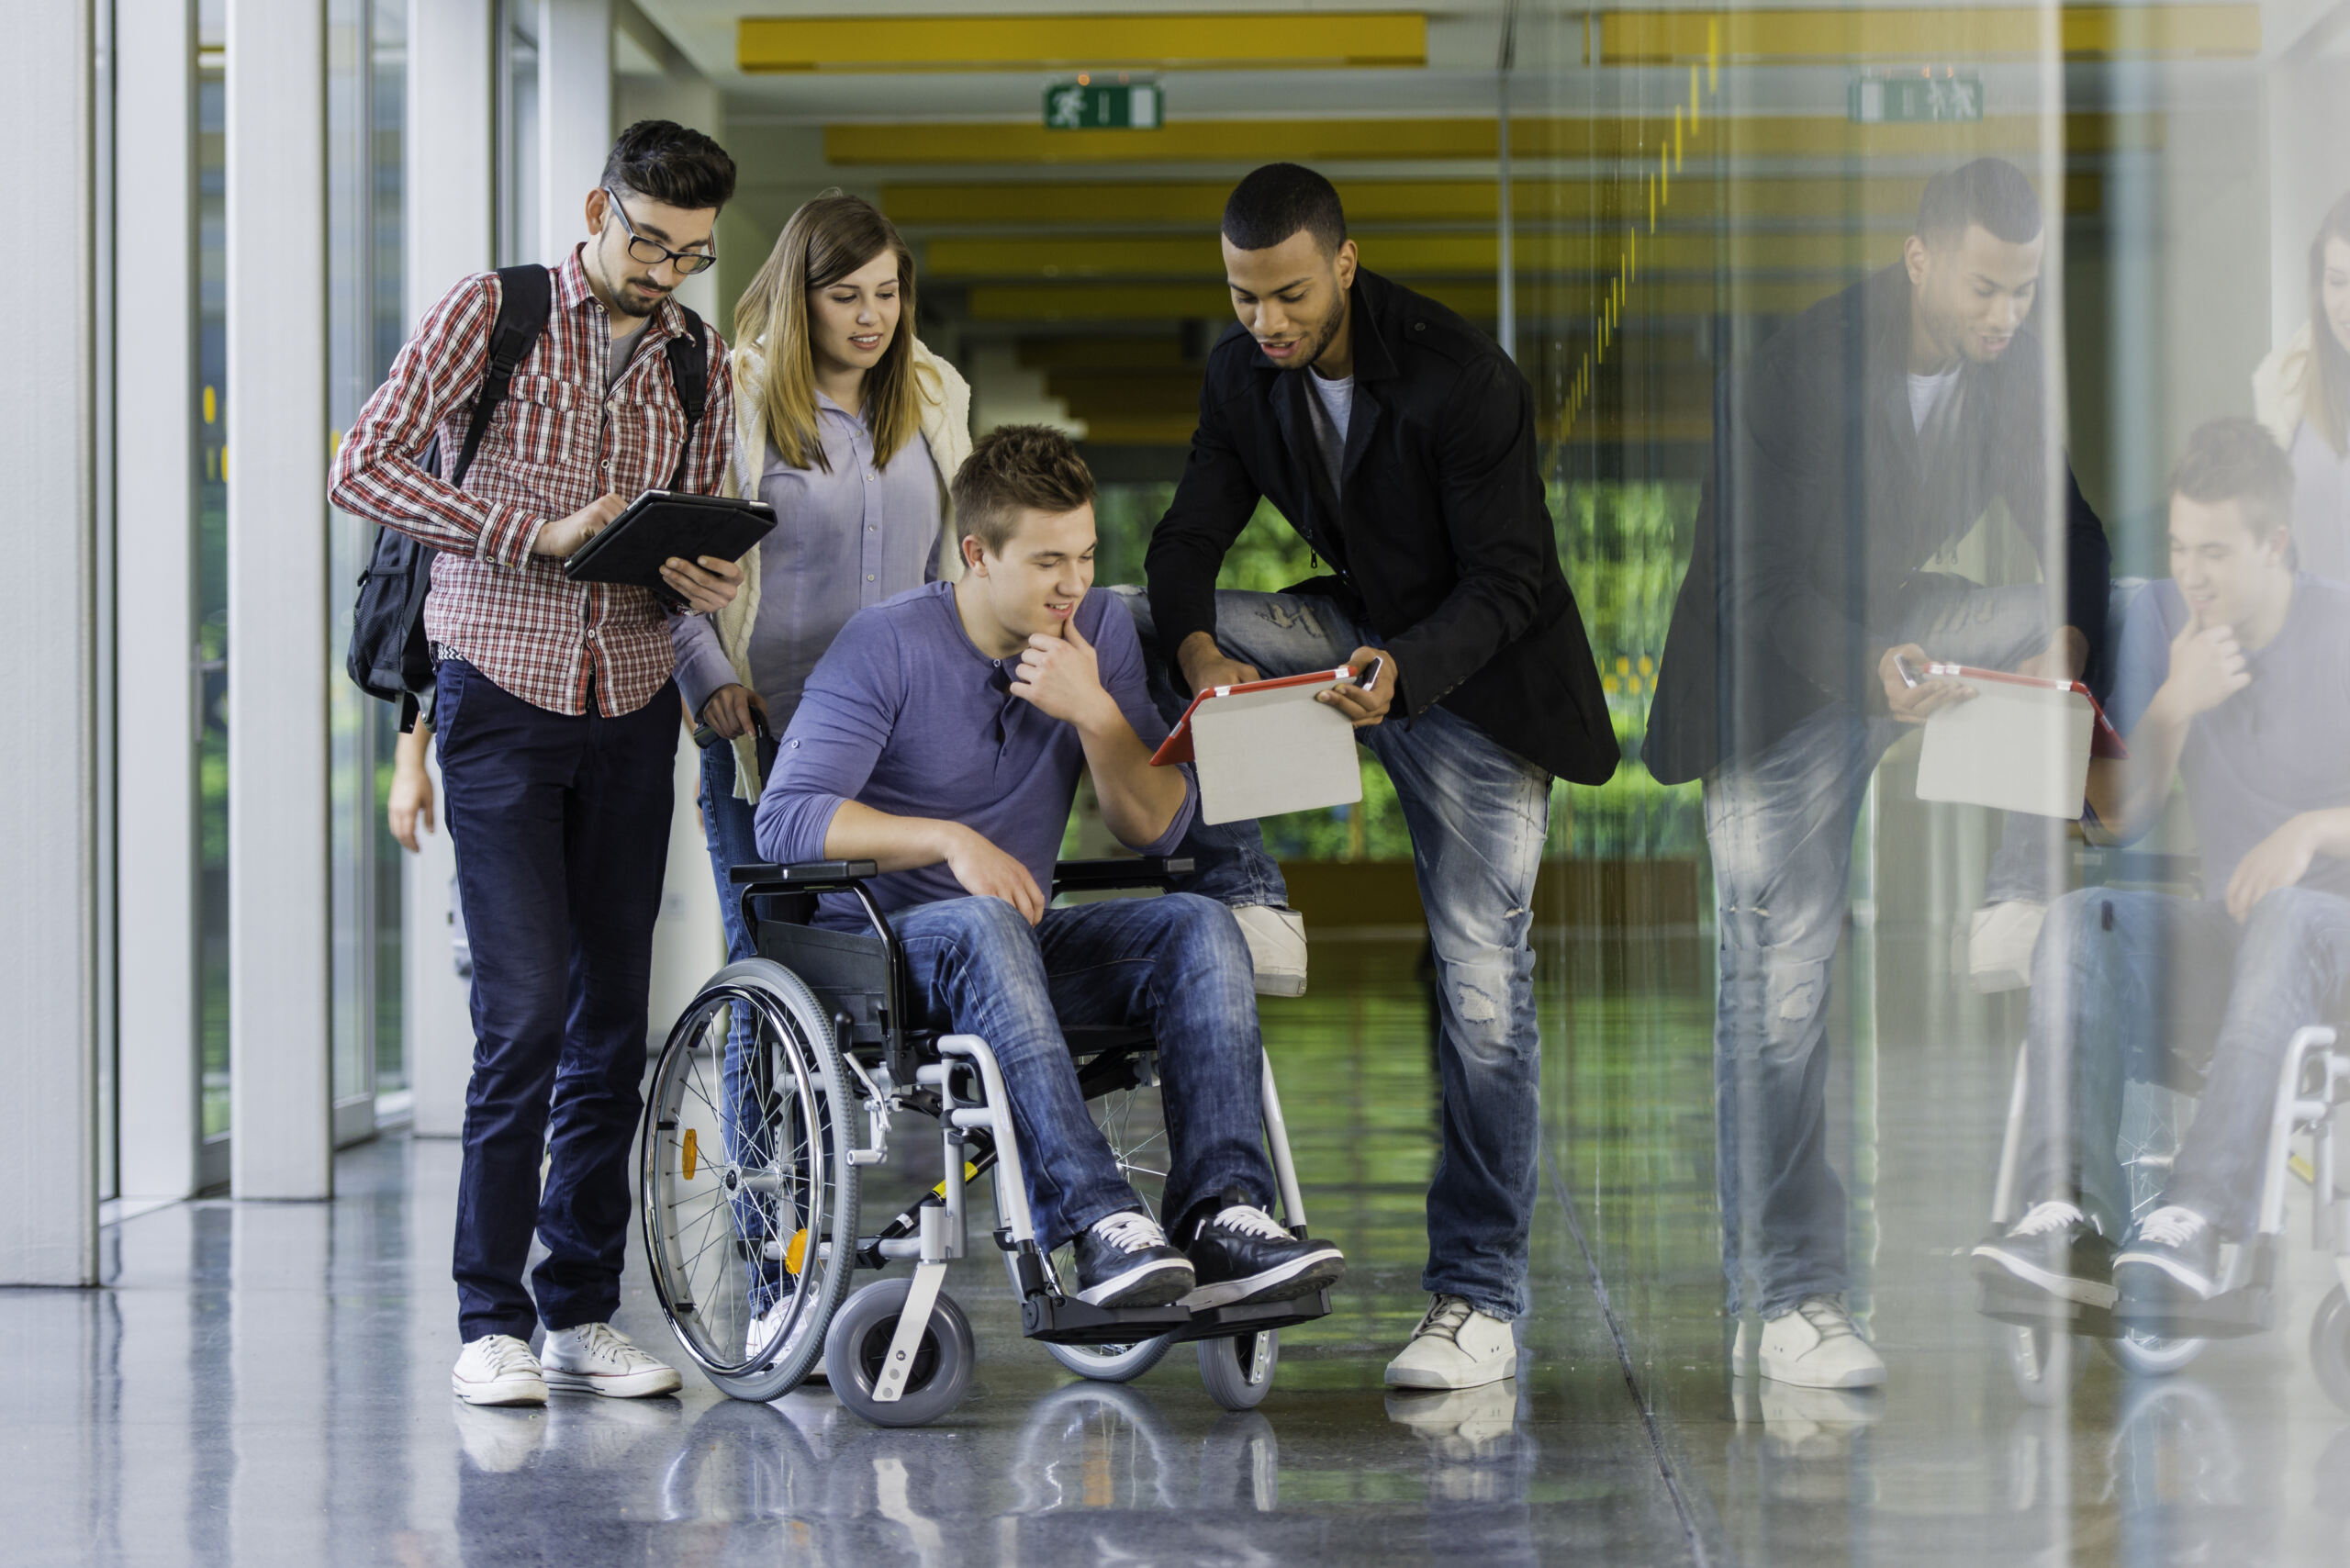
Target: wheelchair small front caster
[(858, 1344), (1240, 1372), (2330, 1346)]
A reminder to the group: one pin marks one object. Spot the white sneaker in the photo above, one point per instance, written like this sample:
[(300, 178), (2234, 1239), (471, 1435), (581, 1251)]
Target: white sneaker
[(763, 1328), (1815, 1346), (596, 1358), (499, 1369), (2000, 942), (1456, 1346), (1276, 936)]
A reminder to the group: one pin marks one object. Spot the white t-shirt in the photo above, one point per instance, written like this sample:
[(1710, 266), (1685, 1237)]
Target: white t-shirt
[(1928, 393)]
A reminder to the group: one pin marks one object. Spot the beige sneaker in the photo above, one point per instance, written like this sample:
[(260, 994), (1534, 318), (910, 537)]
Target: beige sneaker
[(1999, 941), (498, 1368), (596, 1358), (1815, 1346), (1276, 937), (1456, 1346)]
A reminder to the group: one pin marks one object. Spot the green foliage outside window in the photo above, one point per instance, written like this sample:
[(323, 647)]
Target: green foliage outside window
[(1624, 546)]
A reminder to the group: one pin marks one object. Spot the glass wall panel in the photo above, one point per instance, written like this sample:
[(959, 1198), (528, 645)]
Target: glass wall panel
[(212, 603), (387, 112), (518, 132)]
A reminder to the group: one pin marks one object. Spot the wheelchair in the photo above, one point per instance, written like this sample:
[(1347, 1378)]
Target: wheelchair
[(2312, 1087), (777, 1088)]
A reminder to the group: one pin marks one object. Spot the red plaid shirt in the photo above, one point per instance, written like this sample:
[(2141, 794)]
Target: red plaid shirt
[(557, 443)]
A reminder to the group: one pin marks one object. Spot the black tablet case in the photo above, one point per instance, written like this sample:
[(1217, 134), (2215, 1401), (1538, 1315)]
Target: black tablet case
[(660, 524)]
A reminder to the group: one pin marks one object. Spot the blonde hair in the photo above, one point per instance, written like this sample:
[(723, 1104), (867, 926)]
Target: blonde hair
[(825, 242), (2326, 402)]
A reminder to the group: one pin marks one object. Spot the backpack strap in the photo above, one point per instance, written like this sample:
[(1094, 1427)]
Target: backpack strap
[(689, 374), (525, 295)]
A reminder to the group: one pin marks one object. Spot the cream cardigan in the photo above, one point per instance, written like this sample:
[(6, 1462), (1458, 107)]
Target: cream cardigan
[(945, 400)]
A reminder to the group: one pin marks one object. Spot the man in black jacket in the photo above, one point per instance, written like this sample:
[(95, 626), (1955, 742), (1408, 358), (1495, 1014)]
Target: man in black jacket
[(1865, 439), (1404, 456)]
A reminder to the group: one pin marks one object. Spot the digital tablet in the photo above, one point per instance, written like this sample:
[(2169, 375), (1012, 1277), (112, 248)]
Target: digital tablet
[(660, 524), (2023, 745), (1266, 747)]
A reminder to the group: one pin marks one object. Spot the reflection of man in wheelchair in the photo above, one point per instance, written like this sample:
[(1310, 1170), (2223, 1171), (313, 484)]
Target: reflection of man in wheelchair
[(941, 738), (2235, 678)]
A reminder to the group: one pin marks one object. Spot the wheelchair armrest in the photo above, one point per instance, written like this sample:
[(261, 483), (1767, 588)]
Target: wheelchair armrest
[(1149, 871), (807, 874)]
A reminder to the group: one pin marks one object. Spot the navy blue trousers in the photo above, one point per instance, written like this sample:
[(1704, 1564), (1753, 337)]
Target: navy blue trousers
[(562, 831)]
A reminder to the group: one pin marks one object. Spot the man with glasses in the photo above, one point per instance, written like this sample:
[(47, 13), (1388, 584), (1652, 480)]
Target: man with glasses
[(558, 725)]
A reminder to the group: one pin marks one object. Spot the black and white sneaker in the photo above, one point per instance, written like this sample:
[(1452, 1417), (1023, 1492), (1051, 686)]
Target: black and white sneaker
[(1124, 1260), (2173, 1249), (2055, 1248), (1243, 1254)]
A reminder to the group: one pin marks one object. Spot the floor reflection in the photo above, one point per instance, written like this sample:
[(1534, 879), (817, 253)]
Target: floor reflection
[(263, 1385)]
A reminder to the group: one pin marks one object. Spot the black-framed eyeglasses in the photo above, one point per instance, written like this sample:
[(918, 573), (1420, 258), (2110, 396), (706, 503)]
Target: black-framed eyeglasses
[(652, 252)]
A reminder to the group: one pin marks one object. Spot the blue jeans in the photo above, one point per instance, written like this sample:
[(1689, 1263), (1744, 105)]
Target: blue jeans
[(1177, 965), (1780, 828), (1478, 815), (562, 828), (2147, 988)]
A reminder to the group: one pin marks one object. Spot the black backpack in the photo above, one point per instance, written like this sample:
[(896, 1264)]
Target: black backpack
[(390, 657)]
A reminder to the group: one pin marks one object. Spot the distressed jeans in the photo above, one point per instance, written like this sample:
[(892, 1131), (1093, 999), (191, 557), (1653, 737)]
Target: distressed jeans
[(1178, 965), (1780, 828), (2147, 988), (1478, 814)]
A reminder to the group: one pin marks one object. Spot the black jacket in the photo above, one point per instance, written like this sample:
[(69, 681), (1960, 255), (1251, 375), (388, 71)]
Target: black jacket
[(1442, 543), (1818, 514)]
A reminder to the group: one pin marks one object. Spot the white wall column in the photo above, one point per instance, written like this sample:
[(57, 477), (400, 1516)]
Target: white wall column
[(281, 1115), (451, 232), (49, 1128), (575, 116), (155, 597), (2309, 124)]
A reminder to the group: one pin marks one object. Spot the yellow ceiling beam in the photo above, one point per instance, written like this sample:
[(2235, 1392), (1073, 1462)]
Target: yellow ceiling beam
[(1020, 302), (1942, 35), (1200, 204), (1110, 257), (1200, 40), (1246, 143)]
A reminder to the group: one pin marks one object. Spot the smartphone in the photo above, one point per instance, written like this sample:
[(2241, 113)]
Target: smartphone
[(1369, 676), (1909, 676)]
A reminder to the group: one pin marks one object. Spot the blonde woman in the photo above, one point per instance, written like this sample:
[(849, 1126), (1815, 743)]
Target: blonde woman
[(850, 429), (2301, 393)]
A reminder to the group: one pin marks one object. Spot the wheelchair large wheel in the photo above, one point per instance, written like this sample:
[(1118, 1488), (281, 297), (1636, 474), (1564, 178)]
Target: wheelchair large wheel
[(1130, 1124), (746, 1180)]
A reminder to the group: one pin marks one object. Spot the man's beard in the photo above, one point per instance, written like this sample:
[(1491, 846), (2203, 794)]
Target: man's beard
[(1324, 335)]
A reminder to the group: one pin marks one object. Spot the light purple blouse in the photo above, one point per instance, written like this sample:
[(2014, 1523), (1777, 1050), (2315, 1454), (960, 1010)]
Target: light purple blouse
[(843, 540)]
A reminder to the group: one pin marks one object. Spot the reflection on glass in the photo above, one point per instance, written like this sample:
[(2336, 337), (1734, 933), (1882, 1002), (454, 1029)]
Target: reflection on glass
[(212, 589)]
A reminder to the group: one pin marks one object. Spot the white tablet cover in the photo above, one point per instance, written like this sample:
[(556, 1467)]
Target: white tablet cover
[(2014, 748), (1260, 754)]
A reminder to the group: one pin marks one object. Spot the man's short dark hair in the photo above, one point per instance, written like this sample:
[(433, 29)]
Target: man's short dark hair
[(1013, 469), (2236, 460), (1276, 201), (1990, 190), (674, 165)]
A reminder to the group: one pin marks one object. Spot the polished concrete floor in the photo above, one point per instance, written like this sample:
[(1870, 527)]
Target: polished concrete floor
[(268, 1383)]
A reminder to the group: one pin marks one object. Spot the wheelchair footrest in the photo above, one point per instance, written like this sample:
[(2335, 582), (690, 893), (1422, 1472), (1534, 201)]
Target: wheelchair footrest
[(1067, 1321)]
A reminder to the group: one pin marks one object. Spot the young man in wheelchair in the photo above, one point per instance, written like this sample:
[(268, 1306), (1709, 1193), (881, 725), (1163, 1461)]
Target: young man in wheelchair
[(940, 737), (2234, 678)]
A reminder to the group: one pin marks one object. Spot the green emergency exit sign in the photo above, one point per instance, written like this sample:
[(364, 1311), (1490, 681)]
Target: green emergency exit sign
[(1096, 106), (1908, 100)]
